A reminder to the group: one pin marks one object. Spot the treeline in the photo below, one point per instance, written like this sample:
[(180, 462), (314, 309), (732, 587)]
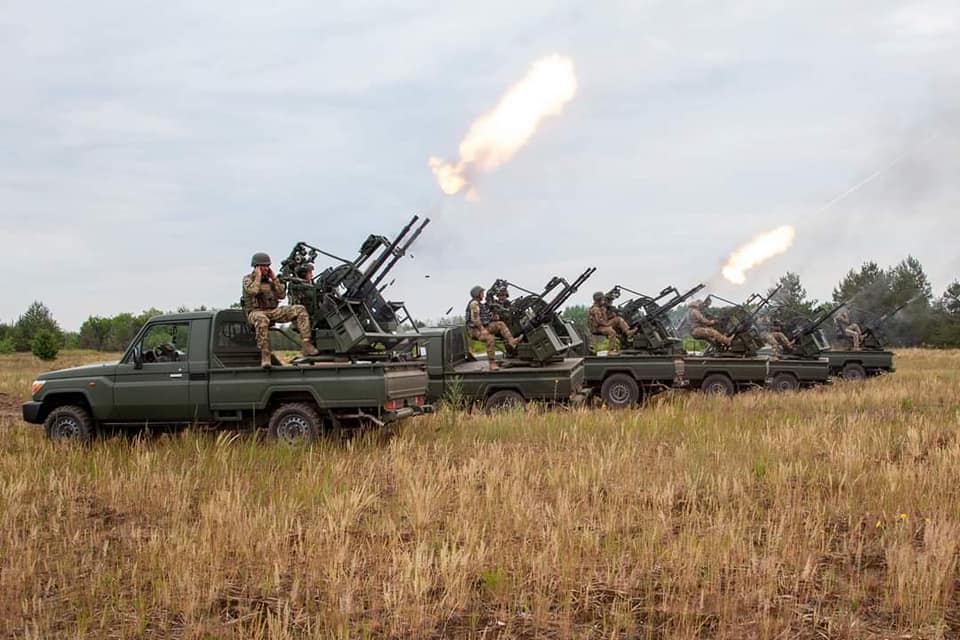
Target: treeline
[(36, 330)]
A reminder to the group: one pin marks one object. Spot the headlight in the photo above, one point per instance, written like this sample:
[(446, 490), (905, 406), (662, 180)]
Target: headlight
[(35, 386)]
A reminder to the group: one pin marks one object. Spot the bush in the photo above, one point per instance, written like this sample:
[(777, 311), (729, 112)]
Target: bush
[(6, 346), (45, 345)]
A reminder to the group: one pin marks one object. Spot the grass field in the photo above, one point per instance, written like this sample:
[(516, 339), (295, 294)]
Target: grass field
[(830, 513)]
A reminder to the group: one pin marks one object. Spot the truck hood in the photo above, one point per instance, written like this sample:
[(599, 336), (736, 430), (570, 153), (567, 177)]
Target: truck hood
[(87, 370)]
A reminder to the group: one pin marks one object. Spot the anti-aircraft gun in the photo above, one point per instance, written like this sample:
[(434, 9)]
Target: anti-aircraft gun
[(740, 323), (649, 315), (808, 336), (872, 334), (546, 337), (348, 314)]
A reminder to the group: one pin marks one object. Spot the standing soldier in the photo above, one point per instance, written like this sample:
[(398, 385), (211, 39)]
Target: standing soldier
[(481, 326), (848, 329), (603, 320), (262, 292), (703, 326)]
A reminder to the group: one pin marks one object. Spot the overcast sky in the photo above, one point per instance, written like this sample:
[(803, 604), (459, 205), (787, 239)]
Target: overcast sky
[(150, 148)]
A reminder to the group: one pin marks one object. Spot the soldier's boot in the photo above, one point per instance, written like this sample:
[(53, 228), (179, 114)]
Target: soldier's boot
[(493, 364), (265, 361), (632, 332), (727, 340), (308, 348), (513, 343)]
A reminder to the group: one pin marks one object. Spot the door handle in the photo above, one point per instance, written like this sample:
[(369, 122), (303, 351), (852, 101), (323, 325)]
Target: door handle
[(176, 375)]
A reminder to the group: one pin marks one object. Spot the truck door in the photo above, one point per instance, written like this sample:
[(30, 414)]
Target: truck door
[(153, 379)]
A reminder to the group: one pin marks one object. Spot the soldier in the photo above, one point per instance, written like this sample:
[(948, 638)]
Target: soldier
[(703, 325), (848, 329), (300, 294), (262, 292), (481, 326), (603, 320), (772, 335)]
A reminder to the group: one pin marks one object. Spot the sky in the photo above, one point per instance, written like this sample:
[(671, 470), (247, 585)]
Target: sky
[(150, 148)]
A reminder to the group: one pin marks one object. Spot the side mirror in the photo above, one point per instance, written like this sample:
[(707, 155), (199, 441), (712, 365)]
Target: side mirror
[(137, 357)]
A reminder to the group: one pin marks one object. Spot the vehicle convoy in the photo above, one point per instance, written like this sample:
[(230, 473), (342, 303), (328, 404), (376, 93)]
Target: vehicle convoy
[(537, 369), (205, 367), (746, 366), (810, 341), (653, 358)]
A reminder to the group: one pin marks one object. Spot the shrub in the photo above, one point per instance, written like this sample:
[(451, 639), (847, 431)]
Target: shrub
[(45, 345)]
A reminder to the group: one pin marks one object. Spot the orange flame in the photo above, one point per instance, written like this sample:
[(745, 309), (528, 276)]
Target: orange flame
[(496, 136), (760, 249)]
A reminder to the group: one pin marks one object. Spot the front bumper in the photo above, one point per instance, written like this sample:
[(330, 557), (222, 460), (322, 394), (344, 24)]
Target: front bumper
[(31, 412)]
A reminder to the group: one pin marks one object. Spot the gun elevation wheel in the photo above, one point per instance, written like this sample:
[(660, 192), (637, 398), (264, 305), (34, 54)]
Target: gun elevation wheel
[(620, 391), (503, 399), (718, 384), (853, 371), (295, 422), (784, 381), (69, 422)]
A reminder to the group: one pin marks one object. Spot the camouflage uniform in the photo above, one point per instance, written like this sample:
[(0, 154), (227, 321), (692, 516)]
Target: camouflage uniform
[(777, 340), (261, 300), (482, 327), (703, 328), (604, 321), (849, 329)]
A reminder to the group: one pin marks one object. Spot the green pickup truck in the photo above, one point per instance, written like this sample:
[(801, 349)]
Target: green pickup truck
[(451, 366), (204, 367)]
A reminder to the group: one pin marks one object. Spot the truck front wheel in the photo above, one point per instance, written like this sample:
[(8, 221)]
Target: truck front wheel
[(69, 422), (853, 371), (620, 391), (784, 381), (295, 422), (718, 384), (503, 399)]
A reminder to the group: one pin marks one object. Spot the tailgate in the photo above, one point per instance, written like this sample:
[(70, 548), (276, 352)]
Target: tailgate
[(405, 381)]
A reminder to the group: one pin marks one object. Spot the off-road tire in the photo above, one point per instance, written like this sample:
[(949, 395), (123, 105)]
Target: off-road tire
[(620, 391), (853, 371), (503, 399), (69, 423), (784, 381), (294, 423), (718, 384)]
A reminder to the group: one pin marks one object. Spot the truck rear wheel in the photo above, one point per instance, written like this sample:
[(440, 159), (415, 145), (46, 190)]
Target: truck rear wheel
[(503, 399), (620, 391), (718, 384), (295, 422), (853, 371), (69, 422), (784, 381)]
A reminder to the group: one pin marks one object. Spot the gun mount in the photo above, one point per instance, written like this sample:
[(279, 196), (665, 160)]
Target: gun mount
[(808, 336), (740, 323), (546, 336), (348, 313), (872, 335), (649, 315)]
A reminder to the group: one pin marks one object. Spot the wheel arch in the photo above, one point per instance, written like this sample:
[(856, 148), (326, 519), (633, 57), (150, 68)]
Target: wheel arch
[(62, 398)]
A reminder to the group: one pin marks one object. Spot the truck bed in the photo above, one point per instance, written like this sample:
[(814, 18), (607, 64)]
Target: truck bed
[(554, 381)]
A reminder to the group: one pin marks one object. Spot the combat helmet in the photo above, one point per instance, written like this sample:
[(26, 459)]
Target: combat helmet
[(476, 291), (598, 296), (260, 258)]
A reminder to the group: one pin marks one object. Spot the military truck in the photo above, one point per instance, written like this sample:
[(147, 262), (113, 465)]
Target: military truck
[(204, 367), (810, 340), (653, 359), (454, 371)]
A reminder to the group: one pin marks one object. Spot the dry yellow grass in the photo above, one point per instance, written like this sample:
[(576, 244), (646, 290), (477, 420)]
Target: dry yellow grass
[(832, 513)]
